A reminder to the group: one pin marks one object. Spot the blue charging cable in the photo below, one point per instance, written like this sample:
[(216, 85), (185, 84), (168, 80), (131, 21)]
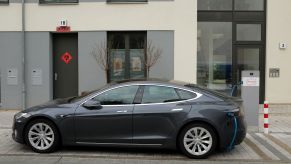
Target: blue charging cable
[(231, 146)]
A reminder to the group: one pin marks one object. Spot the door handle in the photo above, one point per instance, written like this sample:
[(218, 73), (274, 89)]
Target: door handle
[(122, 111), (177, 109), (56, 76)]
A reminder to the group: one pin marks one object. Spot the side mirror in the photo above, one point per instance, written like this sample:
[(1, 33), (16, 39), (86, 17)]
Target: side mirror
[(92, 104)]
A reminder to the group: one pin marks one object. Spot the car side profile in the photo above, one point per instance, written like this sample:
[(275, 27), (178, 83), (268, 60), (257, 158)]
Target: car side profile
[(153, 114)]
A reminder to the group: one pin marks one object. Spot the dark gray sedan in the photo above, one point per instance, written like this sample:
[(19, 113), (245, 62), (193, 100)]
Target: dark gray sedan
[(136, 114)]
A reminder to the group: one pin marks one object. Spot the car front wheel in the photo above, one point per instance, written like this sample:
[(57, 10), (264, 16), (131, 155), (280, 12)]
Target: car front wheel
[(42, 136), (197, 140)]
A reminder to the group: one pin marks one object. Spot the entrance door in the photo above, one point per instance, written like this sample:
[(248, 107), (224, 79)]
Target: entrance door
[(247, 57), (65, 65)]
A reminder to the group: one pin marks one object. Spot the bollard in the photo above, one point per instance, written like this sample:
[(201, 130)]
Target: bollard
[(266, 117)]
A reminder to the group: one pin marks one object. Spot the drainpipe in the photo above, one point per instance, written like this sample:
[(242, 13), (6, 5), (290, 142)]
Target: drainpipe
[(23, 57)]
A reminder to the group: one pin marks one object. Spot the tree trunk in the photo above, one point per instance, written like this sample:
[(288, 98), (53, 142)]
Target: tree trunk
[(148, 72)]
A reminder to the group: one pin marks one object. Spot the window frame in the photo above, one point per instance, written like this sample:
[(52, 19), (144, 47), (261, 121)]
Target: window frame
[(198, 95), (139, 94), (127, 65), (179, 94), (111, 89), (242, 17), (43, 2), (127, 1), (4, 3), (233, 8)]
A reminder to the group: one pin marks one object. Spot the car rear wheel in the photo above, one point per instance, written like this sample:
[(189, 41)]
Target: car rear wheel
[(197, 140), (42, 136)]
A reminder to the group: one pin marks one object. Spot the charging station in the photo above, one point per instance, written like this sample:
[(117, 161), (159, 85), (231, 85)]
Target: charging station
[(250, 93)]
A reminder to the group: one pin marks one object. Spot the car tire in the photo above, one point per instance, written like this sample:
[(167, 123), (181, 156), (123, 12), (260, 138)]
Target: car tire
[(42, 136), (197, 140)]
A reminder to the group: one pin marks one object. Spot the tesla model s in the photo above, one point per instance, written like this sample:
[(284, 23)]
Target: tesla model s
[(154, 114)]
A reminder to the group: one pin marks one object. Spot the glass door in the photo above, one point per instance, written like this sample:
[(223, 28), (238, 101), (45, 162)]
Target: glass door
[(246, 57)]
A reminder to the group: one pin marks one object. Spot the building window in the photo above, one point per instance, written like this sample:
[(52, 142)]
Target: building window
[(58, 1), (214, 55), (249, 5), (214, 4), (4, 1), (126, 1), (227, 5), (126, 55), (248, 32)]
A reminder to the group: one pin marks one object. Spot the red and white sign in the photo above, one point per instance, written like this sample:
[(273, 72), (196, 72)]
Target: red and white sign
[(66, 57), (251, 81), (63, 29)]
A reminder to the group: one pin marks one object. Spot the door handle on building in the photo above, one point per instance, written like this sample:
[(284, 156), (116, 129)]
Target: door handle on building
[(56, 76)]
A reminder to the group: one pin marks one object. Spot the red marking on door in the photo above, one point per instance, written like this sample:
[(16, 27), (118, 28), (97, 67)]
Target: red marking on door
[(66, 57)]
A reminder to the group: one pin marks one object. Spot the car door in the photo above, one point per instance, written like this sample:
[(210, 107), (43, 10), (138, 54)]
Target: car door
[(112, 122), (157, 118)]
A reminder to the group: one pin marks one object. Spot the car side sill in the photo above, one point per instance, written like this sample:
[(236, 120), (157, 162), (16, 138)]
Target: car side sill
[(118, 144)]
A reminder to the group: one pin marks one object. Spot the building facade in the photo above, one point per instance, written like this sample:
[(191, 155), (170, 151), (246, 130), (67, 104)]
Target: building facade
[(206, 42)]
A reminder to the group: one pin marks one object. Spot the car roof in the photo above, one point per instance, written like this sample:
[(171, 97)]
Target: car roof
[(152, 81)]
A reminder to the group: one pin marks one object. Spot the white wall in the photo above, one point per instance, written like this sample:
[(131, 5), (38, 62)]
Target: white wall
[(278, 90), (10, 17)]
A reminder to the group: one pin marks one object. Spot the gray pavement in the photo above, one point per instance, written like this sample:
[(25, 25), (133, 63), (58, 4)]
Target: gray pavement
[(256, 148)]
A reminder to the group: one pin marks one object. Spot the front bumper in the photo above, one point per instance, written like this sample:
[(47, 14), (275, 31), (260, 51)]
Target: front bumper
[(17, 131)]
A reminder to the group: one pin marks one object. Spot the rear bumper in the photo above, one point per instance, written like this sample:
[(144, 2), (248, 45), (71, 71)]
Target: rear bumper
[(228, 131), (241, 130)]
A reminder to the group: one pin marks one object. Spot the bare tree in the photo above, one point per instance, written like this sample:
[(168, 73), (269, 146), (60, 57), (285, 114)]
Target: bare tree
[(152, 55), (101, 54)]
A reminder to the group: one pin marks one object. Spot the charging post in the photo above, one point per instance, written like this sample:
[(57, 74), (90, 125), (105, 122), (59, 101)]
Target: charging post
[(250, 93)]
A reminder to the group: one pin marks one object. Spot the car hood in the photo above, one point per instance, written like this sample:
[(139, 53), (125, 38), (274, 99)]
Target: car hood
[(50, 104)]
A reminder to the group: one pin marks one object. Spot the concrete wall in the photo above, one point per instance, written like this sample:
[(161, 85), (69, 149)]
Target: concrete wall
[(164, 68), (91, 76), (10, 58), (278, 30), (38, 56)]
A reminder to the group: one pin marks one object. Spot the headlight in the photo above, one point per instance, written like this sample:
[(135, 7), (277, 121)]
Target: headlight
[(22, 115)]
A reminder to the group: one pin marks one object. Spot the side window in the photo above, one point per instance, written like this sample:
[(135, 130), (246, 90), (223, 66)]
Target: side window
[(186, 95), (159, 94), (118, 96)]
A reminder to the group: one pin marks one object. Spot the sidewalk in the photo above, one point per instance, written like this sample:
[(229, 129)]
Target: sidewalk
[(279, 118), (257, 147)]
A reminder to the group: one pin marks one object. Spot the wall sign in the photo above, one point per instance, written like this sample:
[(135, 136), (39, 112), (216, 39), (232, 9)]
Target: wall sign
[(63, 29), (282, 45), (66, 57), (251, 81), (274, 72), (12, 76), (36, 77)]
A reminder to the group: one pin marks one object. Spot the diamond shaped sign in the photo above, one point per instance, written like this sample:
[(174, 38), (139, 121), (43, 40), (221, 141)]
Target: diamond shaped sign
[(66, 57)]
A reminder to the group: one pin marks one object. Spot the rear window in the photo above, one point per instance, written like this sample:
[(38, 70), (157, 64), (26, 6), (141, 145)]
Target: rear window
[(186, 95)]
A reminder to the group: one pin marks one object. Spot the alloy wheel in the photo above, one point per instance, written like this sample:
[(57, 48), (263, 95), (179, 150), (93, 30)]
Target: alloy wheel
[(197, 141), (41, 136)]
